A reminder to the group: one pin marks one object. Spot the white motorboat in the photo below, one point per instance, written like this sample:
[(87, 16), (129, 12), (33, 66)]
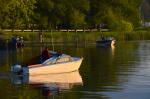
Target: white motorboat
[(61, 64)]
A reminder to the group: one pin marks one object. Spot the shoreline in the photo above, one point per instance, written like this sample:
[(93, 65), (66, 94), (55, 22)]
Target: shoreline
[(73, 37)]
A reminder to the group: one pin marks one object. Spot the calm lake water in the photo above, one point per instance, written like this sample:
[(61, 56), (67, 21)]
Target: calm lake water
[(120, 72)]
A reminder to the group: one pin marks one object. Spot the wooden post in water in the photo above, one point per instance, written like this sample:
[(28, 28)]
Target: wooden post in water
[(52, 40), (41, 36)]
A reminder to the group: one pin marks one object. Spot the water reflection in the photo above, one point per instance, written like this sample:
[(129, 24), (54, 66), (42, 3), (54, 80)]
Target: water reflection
[(71, 77), (107, 73), (50, 84), (113, 50)]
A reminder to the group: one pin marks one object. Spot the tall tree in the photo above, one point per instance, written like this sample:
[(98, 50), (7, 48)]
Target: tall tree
[(18, 12), (42, 13)]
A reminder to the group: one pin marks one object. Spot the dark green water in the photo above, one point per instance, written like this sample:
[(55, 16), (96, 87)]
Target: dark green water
[(122, 72)]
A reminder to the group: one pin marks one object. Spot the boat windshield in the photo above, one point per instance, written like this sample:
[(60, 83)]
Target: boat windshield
[(51, 60), (60, 59)]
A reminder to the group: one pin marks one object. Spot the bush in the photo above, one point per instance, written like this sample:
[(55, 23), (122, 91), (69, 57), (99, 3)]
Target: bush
[(121, 26), (2, 32)]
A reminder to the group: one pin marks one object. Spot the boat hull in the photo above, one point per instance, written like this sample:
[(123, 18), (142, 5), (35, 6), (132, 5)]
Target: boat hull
[(105, 43), (54, 68)]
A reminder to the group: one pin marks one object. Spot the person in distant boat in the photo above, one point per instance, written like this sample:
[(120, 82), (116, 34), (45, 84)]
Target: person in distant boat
[(111, 38), (14, 41), (41, 36), (102, 37), (45, 54)]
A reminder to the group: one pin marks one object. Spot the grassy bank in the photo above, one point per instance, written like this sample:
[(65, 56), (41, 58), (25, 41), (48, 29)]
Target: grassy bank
[(73, 36)]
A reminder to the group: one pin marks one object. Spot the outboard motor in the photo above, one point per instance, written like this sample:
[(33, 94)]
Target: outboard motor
[(25, 70), (17, 79), (16, 69)]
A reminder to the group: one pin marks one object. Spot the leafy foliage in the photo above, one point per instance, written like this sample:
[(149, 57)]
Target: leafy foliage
[(121, 26), (68, 13)]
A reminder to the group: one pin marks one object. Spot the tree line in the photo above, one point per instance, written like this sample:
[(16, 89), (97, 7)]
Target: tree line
[(70, 14)]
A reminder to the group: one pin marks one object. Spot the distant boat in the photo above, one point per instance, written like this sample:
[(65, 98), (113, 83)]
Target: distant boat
[(61, 64), (104, 42), (16, 42)]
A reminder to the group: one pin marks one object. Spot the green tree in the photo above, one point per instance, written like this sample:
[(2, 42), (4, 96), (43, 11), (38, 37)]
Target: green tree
[(119, 9), (67, 13), (17, 12), (77, 19), (42, 13), (122, 26)]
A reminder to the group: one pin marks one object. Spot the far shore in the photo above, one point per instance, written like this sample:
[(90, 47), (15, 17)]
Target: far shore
[(72, 37), (56, 30)]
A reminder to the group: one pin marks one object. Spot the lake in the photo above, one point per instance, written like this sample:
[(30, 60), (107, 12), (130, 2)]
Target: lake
[(120, 72)]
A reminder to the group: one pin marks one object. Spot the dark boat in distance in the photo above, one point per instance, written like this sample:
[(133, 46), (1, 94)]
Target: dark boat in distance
[(105, 42)]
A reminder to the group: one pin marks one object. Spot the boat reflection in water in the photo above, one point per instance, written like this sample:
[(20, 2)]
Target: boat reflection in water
[(51, 84), (113, 49)]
